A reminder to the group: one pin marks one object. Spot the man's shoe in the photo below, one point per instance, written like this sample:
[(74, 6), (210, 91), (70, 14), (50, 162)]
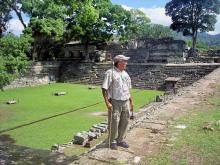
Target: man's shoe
[(123, 144), (113, 146)]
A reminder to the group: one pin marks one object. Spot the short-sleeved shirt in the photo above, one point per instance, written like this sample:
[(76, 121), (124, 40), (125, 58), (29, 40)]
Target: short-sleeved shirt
[(117, 84)]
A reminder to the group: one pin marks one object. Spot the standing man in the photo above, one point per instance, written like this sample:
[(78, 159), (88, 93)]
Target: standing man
[(116, 92)]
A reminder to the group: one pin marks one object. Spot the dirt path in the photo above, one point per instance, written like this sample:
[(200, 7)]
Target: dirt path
[(149, 132)]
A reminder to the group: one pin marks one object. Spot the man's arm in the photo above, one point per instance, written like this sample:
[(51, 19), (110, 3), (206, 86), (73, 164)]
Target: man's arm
[(105, 95)]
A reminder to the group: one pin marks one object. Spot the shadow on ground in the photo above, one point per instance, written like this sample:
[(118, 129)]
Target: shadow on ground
[(14, 154)]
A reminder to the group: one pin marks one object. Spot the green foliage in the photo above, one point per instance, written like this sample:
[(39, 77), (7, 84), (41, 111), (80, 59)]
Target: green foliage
[(138, 22), (96, 20), (13, 59), (46, 26), (140, 27), (156, 31), (191, 16), (44, 9), (202, 46), (32, 107)]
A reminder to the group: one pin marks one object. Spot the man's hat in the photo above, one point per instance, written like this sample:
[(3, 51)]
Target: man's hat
[(120, 57)]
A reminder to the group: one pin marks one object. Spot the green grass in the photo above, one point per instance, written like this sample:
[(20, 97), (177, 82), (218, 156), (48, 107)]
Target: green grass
[(194, 145), (35, 103)]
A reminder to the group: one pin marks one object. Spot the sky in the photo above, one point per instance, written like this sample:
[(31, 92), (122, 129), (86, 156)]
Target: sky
[(154, 9)]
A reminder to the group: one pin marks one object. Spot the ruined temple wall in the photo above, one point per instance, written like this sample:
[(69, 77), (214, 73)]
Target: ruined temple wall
[(38, 73), (147, 76), (160, 50), (144, 75)]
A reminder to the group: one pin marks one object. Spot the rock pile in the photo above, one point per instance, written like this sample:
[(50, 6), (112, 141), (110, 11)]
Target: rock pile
[(83, 138)]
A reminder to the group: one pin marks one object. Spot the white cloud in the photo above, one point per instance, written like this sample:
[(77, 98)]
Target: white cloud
[(157, 15), (15, 26)]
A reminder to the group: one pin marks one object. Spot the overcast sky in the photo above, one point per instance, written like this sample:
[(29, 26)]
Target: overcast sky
[(154, 9)]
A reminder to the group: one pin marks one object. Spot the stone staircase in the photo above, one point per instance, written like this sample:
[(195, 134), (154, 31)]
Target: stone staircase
[(144, 76)]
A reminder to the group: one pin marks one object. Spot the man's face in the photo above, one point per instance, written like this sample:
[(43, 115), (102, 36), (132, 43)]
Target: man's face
[(122, 65)]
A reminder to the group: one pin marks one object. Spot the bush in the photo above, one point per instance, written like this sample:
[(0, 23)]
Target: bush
[(13, 57)]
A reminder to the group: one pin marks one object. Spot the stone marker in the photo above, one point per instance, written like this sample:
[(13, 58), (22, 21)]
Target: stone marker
[(91, 87), (60, 93), (103, 125), (79, 138), (11, 102), (102, 129), (55, 147)]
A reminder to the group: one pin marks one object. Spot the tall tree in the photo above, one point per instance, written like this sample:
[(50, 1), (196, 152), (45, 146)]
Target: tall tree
[(96, 20), (193, 16), (46, 25), (82, 23), (137, 25)]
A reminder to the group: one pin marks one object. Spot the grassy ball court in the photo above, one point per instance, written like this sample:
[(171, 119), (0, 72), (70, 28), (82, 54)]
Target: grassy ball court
[(55, 125)]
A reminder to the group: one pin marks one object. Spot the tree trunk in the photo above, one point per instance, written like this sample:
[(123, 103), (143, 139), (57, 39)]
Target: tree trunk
[(194, 40)]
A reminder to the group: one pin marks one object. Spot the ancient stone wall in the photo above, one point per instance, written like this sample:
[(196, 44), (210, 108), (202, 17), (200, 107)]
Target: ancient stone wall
[(147, 75), (38, 73), (144, 75), (151, 50)]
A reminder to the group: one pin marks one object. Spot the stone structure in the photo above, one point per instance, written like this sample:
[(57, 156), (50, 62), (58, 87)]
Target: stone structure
[(144, 75), (170, 84), (147, 76), (38, 73), (152, 62), (164, 50), (75, 50)]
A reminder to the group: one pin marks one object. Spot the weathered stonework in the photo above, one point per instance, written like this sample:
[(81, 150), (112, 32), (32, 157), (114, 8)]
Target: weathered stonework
[(151, 62), (147, 76), (38, 73), (151, 50)]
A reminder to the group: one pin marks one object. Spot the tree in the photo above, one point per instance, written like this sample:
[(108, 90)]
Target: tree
[(95, 20), (5, 16), (46, 25), (47, 33), (16, 6), (137, 25), (13, 59), (82, 24), (156, 31), (193, 16)]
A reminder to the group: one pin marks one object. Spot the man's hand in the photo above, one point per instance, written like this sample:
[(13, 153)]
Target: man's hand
[(107, 102), (109, 106), (131, 109)]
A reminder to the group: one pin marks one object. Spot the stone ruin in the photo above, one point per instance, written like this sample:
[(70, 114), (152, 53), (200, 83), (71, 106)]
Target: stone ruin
[(152, 62), (166, 50)]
